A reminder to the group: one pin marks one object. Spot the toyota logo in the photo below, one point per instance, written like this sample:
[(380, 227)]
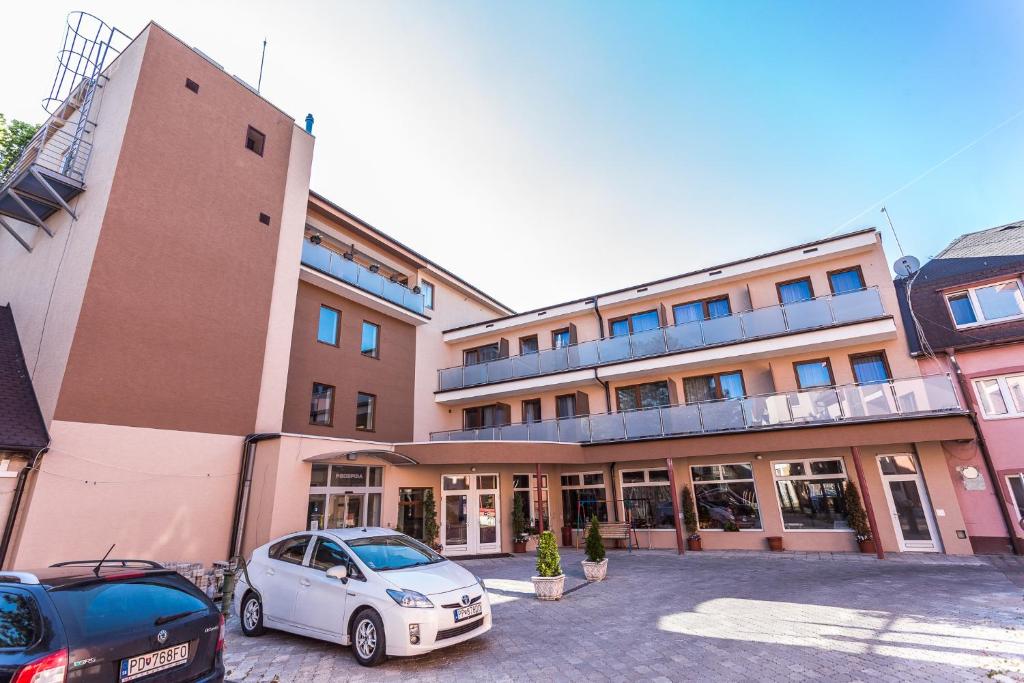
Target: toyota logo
[(465, 600), (161, 637)]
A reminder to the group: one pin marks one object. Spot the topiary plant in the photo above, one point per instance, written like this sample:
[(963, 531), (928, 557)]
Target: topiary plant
[(518, 522), (595, 546), (430, 527), (548, 562), (856, 517), (690, 514)]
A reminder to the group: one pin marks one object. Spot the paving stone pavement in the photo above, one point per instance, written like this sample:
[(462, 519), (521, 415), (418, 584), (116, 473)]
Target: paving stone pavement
[(716, 616)]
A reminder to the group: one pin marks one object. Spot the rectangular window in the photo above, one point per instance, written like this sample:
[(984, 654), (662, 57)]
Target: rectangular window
[(634, 323), (711, 387), (528, 345), (725, 496), (581, 501), (987, 304), (1016, 484), (327, 329), (647, 498), (428, 294), (493, 415), (410, 512), (642, 396), (531, 410), (370, 343), (321, 408), (811, 494), (561, 338), (846, 280), (366, 409), (1001, 396), (480, 354), (717, 307), (813, 373), (565, 406), (524, 496), (870, 368), (795, 290), (255, 140)]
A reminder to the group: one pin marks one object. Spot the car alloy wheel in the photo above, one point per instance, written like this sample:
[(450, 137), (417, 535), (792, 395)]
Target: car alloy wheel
[(252, 616), (366, 639)]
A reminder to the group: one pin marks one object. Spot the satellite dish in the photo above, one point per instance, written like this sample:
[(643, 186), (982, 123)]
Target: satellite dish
[(906, 266)]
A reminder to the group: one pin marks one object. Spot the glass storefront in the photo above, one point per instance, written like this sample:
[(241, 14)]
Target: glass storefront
[(344, 496)]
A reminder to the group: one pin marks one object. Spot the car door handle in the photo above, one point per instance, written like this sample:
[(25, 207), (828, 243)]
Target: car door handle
[(270, 572), (304, 582)]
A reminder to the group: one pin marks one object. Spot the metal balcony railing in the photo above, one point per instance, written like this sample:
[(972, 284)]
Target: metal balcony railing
[(337, 266), (55, 149), (915, 396), (799, 316)]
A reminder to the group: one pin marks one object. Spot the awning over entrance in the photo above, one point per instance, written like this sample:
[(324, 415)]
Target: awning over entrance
[(390, 457)]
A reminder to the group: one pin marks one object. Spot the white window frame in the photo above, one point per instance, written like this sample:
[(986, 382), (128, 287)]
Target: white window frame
[(979, 313), (328, 492), (1004, 390), (424, 285), (806, 462), (623, 484), (581, 485), (1018, 505), (532, 494), (753, 480)]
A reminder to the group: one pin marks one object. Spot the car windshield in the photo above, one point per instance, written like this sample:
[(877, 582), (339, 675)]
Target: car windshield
[(381, 553)]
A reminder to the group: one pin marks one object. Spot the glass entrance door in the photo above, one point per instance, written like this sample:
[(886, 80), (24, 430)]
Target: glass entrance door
[(908, 502), (471, 520)]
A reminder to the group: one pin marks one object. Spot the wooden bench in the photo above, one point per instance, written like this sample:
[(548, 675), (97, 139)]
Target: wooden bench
[(614, 531)]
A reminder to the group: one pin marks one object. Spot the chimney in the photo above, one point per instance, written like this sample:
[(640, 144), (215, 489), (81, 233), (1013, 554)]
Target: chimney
[(309, 123)]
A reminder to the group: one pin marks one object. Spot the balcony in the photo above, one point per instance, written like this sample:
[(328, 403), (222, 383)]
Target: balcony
[(801, 316), (331, 263), (844, 404)]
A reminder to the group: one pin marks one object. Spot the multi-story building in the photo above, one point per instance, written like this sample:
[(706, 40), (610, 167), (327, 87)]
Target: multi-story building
[(221, 356), (964, 315)]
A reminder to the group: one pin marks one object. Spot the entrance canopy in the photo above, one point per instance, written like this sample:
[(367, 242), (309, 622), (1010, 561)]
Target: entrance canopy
[(389, 457)]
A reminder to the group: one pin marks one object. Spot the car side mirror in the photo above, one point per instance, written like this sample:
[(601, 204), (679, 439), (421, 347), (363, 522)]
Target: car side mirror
[(339, 572)]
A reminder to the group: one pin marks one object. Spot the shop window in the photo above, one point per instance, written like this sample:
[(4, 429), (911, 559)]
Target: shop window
[(810, 494), (410, 512), (524, 496), (647, 498), (581, 501), (343, 496), (725, 496)]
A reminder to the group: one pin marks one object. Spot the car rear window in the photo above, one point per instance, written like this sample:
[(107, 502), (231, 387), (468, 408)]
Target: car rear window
[(103, 608), (19, 620)]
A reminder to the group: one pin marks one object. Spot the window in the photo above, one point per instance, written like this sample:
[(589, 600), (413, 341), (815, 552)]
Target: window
[(255, 140), (725, 496), (1016, 484), (492, 415), (647, 498), (531, 410), (328, 554), (561, 338), (1001, 396), (410, 512), (642, 396), (366, 408), (991, 303), (291, 550), (701, 310), (795, 290), (327, 329), (565, 406), (870, 368), (192, 85), (481, 354), (524, 496), (813, 373), (428, 294), (811, 494), (19, 620), (321, 407), (711, 387), (528, 345), (370, 344), (583, 496), (265, 218), (343, 496), (637, 322), (846, 280)]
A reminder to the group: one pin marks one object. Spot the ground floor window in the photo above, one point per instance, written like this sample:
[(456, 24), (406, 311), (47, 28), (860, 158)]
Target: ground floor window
[(811, 494), (647, 498), (410, 511), (583, 496), (344, 496), (725, 496), (1016, 483), (524, 497)]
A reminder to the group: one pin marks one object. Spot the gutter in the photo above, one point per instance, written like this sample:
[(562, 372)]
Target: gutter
[(19, 491), (242, 492)]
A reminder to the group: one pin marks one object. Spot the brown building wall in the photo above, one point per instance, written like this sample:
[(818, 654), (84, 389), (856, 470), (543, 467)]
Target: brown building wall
[(174, 318), (389, 377)]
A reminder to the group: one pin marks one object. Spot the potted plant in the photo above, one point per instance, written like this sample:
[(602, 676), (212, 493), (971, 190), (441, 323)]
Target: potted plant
[(519, 535), (550, 581), (857, 518), (775, 544), (690, 521), (596, 564), (430, 528)]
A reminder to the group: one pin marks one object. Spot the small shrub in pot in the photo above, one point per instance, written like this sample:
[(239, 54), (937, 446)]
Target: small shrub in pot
[(857, 518), (550, 581), (596, 565), (690, 520)]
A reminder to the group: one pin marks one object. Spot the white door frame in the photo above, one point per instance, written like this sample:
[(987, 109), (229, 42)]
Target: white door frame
[(473, 546), (933, 545)]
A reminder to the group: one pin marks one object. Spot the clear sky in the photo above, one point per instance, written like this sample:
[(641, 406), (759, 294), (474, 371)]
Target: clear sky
[(546, 151)]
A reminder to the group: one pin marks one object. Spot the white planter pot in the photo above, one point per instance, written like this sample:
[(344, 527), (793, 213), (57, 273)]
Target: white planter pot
[(549, 587), (595, 571)]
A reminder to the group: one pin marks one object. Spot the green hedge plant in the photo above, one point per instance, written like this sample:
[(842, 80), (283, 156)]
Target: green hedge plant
[(595, 546), (690, 514), (548, 562), (856, 517)]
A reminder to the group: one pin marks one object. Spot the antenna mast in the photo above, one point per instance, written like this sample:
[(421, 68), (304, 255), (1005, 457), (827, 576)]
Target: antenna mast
[(263, 56), (893, 228)]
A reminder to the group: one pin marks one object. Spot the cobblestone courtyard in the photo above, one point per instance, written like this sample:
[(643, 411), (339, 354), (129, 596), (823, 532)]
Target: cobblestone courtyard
[(709, 616)]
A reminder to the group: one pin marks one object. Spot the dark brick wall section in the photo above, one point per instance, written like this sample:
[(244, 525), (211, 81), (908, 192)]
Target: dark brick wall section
[(21, 422)]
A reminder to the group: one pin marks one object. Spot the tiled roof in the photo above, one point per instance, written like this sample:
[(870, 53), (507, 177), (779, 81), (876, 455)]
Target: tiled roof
[(1005, 240), (21, 422)]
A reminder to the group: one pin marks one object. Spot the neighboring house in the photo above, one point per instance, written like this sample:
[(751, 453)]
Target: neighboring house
[(965, 315)]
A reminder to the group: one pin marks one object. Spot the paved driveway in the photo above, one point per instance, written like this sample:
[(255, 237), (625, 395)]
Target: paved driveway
[(708, 616)]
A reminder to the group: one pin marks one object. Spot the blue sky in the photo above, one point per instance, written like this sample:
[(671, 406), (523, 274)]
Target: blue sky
[(546, 151)]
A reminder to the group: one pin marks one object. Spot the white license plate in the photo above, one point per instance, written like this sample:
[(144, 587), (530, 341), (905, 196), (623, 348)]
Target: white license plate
[(151, 662), (467, 612)]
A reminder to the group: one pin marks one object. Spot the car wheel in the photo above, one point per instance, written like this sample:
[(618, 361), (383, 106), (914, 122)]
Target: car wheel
[(252, 615), (368, 646)]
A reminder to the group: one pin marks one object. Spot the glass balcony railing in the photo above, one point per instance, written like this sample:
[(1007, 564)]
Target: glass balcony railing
[(337, 266), (933, 394), (800, 316)]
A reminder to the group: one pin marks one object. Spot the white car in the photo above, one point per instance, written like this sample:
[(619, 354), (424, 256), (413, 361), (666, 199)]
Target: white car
[(375, 589)]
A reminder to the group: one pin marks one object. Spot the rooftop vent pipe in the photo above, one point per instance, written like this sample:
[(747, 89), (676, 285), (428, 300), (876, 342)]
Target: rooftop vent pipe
[(309, 123)]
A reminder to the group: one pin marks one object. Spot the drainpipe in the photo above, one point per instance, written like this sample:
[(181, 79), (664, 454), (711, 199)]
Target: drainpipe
[(242, 493), (19, 491), (986, 455), (866, 495), (600, 320)]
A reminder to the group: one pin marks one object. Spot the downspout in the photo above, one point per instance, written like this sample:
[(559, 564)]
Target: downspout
[(242, 493), (986, 455), (19, 491), (600, 320)]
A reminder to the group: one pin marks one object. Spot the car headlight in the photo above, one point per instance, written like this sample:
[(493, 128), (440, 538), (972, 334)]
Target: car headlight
[(407, 598)]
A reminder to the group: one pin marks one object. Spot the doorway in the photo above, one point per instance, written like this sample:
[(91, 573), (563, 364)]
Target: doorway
[(470, 514), (912, 516)]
